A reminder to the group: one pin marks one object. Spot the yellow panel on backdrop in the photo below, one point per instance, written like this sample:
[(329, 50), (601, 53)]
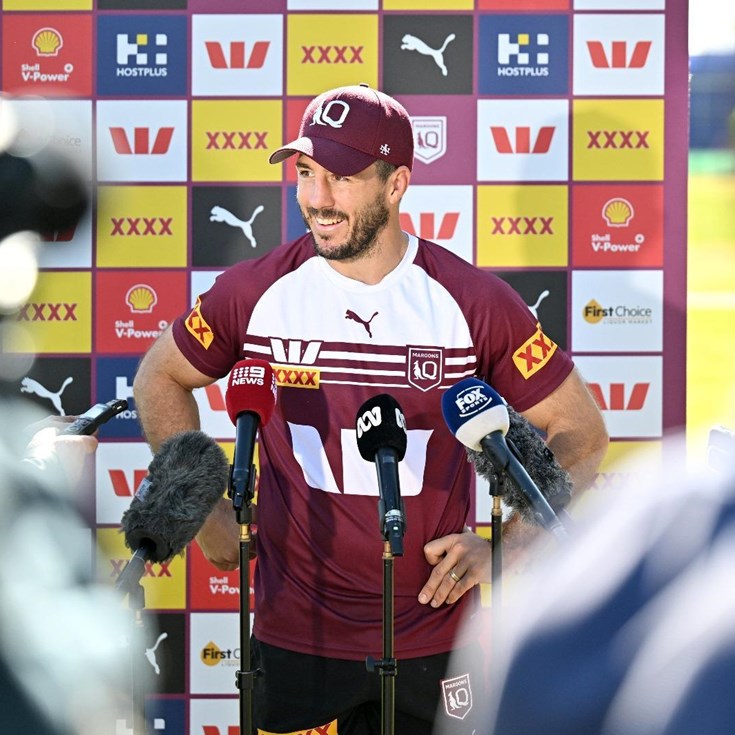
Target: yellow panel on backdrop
[(164, 584), (47, 4), (141, 226), (618, 140), (326, 51), (521, 226), (231, 140), (58, 314)]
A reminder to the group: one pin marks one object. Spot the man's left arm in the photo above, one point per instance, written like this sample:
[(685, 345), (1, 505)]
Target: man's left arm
[(576, 434)]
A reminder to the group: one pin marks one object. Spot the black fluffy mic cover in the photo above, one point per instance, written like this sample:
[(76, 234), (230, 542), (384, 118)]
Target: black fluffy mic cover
[(186, 478), (549, 476)]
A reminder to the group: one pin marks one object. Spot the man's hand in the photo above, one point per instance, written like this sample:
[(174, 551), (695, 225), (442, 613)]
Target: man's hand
[(48, 447), (219, 537), (460, 561)]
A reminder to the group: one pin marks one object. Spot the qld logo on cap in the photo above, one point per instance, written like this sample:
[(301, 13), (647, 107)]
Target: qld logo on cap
[(334, 113), (472, 400)]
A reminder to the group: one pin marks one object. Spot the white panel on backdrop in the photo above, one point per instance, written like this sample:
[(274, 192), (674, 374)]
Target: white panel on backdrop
[(142, 140), (64, 125), (201, 282), (119, 469), (522, 140), (443, 214), (630, 393), (214, 652), (619, 55), (239, 55), (210, 716), (619, 5), (617, 311)]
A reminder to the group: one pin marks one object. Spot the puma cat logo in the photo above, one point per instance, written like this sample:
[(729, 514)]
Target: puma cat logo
[(29, 385), (355, 318), (412, 43), (220, 214)]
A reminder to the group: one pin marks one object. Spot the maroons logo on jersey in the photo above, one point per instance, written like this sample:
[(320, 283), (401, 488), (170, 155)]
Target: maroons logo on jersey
[(424, 367)]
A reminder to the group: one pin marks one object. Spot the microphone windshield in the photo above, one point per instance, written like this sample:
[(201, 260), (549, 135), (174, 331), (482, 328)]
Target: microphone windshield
[(472, 410), (186, 478), (381, 425), (252, 387)]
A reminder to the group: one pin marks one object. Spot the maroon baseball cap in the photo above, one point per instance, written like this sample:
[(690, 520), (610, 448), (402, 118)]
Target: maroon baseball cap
[(347, 128)]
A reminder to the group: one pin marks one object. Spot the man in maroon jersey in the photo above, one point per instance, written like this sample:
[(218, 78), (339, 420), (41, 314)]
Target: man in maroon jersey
[(354, 308)]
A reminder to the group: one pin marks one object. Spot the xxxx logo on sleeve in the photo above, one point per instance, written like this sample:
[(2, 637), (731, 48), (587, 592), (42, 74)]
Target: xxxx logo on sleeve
[(534, 353), (197, 326)]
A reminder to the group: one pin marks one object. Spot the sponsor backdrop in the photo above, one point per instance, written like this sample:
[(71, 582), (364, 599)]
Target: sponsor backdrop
[(551, 141)]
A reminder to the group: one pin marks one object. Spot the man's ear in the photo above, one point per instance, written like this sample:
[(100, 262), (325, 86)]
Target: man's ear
[(398, 183)]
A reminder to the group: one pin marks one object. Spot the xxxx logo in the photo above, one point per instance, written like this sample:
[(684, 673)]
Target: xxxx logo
[(222, 140), (522, 226), (141, 226), (198, 327), (119, 564), (332, 54), (291, 377), (62, 312), (534, 353), (618, 139)]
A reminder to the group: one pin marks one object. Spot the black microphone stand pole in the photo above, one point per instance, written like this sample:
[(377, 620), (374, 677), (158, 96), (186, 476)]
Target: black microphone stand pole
[(392, 525), (497, 489), (129, 582), (242, 490)]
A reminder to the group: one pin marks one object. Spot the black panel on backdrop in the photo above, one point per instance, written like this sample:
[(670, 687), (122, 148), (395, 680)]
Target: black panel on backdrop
[(427, 54), (164, 654), (59, 386), (545, 292), (234, 223)]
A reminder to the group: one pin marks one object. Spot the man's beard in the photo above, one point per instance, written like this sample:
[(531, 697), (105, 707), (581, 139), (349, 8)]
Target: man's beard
[(367, 224)]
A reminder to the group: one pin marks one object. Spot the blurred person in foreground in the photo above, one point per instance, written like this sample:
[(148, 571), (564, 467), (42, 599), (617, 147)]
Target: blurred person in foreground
[(630, 628), (354, 308), (61, 633)]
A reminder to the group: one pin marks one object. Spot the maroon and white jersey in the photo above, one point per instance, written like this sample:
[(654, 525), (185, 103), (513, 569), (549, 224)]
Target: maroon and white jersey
[(334, 343)]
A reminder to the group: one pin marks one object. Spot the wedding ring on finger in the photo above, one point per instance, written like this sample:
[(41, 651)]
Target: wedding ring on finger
[(454, 575)]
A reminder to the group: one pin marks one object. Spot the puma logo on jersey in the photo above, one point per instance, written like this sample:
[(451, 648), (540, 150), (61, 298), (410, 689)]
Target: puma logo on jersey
[(355, 318)]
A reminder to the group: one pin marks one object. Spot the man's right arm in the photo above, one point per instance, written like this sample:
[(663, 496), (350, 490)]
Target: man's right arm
[(163, 389), (166, 405)]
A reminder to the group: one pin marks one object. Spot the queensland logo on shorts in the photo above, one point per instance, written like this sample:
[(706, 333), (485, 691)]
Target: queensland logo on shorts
[(534, 353), (198, 327), (457, 696), (425, 367)]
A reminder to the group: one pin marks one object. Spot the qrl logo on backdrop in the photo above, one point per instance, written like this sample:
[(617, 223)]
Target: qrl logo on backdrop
[(334, 113)]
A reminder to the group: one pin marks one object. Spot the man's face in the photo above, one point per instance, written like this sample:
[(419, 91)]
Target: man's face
[(344, 213)]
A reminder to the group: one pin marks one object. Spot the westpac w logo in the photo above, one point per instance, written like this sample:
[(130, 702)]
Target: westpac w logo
[(521, 139), (617, 56), (236, 57), (139, 143)]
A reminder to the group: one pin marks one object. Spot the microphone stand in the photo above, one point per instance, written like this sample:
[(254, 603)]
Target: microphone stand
[(497, 490), (129, 582), (392, 525), (242, 491)]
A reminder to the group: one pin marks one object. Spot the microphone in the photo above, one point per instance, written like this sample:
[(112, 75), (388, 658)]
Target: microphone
[(382, 438), (250, 400), (186, 478), (480, 419)]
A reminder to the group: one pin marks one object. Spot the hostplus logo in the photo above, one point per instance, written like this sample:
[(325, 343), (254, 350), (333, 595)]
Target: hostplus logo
[(142, 55), (523, 55)]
